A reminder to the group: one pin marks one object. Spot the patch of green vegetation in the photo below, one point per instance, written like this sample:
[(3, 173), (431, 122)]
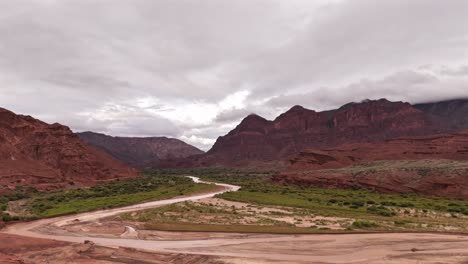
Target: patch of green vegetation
[(366, 209), (402, 222), (190, 211), (381, 210), (18, 194), (6, 217), (115, 194), (201, 217), (190, 227), (364, 224), (258, 189)]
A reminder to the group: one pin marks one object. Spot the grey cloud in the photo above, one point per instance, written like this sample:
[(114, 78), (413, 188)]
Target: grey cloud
[(410, 86), (357, 39), (59, 59), (231, 115), (460, 71), (128, 124)]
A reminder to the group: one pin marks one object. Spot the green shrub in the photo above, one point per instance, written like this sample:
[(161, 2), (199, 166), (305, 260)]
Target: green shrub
[(8, 218), (114, 194), (380, 210), (402, 222), (455, 210), (358, 203), (364, 224), (406, 204)]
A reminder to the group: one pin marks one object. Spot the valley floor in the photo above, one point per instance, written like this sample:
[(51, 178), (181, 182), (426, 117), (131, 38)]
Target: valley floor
[(131, 235)]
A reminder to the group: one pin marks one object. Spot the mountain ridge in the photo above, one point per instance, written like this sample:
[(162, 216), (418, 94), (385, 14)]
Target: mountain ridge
[(257, 139), (140, 151)]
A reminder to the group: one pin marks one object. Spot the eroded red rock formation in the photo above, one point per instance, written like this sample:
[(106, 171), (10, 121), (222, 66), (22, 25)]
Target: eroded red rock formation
[(431, 165), (256, 139), (34, 153)]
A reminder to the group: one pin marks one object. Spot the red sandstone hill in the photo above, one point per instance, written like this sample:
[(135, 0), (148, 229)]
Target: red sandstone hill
[(140, 152), (431, 165), (33, 153), (256, 139)]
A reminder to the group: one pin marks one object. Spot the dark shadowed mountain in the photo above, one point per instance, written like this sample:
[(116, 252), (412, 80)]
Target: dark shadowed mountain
[(140, 152), (34, 153), (454, 112)]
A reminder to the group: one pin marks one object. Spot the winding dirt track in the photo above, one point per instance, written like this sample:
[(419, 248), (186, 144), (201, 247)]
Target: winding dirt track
[(346, 248)]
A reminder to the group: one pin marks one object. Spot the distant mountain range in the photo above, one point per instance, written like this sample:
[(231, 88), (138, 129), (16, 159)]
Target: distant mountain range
[(140, 152), (257, 140)]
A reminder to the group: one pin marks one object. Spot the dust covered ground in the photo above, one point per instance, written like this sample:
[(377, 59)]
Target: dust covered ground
[(229, 248), (17, 250)]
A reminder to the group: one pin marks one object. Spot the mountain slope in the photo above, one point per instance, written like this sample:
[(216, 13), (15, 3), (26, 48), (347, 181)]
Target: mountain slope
[(453, 112), (140, 152), (256, 139), (431, 165), (34, 153)]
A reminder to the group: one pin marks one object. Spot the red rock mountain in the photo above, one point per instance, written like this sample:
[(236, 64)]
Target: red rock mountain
[(34, 153), (257, 139), (140, 152), (432, 165)]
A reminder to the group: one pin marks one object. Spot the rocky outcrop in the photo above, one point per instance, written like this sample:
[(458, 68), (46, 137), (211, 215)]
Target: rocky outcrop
[(431, 165), (443, 146), (141, 152), (34, 153)]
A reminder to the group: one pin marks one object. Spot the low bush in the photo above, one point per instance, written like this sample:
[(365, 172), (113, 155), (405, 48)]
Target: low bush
[(364, 224)]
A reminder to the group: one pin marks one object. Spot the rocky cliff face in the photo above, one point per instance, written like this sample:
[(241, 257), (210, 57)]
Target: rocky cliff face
[(140, 152), (431, 165), (33, 153), (257, 139), (444, 146)]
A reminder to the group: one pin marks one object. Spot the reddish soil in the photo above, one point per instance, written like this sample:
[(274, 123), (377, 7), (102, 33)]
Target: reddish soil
[(34, 153), (140, 152), (432, 165), (12, 245), (25, 250)]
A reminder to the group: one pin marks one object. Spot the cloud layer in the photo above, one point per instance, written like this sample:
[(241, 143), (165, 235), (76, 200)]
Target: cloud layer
[(192, 69)]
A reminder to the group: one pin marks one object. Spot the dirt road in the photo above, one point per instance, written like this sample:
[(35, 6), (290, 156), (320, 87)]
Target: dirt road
[(348, 248)]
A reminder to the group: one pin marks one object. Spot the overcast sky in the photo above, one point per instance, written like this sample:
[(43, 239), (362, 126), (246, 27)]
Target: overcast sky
[(192, 69)]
